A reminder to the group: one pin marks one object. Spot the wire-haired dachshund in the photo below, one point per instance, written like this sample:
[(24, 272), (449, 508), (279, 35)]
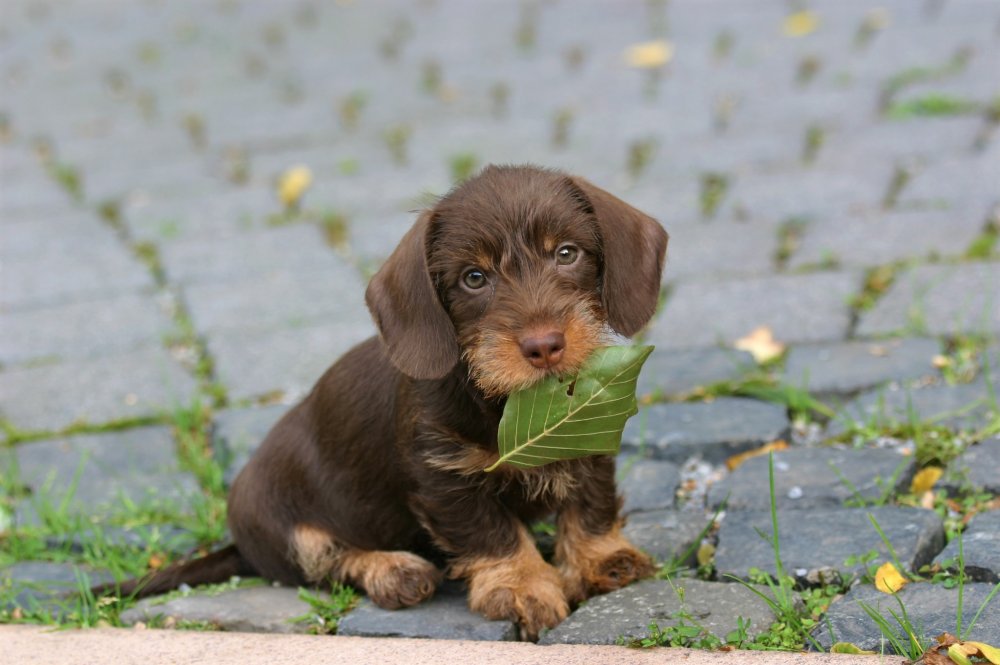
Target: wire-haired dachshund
[(516, 274)]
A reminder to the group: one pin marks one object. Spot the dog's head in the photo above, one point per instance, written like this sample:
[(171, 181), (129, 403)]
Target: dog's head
[(519, 271)]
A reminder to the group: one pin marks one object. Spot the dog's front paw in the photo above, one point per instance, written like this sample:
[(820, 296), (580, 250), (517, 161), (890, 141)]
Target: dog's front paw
[(398, 579), (600, 565), (533, 598)]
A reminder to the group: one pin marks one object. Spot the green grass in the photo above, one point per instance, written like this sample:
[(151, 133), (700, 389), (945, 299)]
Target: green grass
[(931, 105)]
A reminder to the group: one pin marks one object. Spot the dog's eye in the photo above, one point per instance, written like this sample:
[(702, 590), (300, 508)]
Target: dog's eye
[(567, 255), (474, 279)]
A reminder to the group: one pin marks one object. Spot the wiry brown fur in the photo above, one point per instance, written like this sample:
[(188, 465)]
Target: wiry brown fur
[(376, 478)]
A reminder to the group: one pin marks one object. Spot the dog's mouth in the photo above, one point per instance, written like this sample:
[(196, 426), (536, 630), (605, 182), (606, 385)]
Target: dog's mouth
[(505, 361)]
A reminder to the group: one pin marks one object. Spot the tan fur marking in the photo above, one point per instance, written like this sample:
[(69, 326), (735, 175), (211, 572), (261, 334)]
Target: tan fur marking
[(391, 579), (499, 368), (554, 481), (520, 587), (594, 564), (315, 551)]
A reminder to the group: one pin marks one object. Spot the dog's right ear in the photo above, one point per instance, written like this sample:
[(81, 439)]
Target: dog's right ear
[(415, 329)]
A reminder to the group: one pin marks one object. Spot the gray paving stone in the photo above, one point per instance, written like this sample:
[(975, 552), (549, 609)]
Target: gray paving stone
[(721, 249), (818, 542), (288, 361), (96, 473), (931, 608), (627, 613), (46, 585), (255, 609), (965, 406), (976, 467), (876, 239), (980, 548), (159, 537), (711, 430), (82, 330), (248, 254), (848, 367), (446, 616), (649, 485), (941, 299), (141, 383), (278, 299), (238, 433), (806, 478), (668, 535), (679, 372), (97, 269), (797, 308)]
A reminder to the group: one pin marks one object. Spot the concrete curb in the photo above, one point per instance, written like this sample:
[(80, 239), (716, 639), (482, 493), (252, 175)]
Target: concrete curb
[(43, 646)]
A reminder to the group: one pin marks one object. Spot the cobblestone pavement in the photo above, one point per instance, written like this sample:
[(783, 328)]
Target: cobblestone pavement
[(827, 169)]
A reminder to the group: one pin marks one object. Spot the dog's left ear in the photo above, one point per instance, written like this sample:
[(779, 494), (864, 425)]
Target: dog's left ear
[(635, 246), (415, 329)]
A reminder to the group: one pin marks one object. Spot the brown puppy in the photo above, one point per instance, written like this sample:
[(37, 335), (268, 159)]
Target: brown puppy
[(516, 274)]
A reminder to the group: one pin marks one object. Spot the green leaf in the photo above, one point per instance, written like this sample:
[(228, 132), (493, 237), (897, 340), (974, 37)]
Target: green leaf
[(565, 418)]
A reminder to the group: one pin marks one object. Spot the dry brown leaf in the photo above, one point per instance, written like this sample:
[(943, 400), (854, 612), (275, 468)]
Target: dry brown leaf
[(760, 343), (736, 460)]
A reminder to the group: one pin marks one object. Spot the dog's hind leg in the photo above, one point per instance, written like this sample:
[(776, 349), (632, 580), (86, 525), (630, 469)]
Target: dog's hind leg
[(392, 579)]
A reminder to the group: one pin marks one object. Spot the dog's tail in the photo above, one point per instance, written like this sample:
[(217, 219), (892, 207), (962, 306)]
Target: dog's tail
[(219, 566)]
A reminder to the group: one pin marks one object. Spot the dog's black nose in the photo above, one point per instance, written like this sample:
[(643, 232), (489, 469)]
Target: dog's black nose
[(544, 350)]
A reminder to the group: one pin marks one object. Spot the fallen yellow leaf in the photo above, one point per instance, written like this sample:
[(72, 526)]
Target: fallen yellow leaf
[(760, 343), (959, 654), (649, 55), (940, 361), (924, 479), (800, 24), (293, 184), (888, 579), (736, 460), (706, 552), (990, 653), (847, 647)]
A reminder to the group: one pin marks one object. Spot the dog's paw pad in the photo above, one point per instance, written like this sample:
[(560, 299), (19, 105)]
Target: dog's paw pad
[(402, 580), (620, 569)]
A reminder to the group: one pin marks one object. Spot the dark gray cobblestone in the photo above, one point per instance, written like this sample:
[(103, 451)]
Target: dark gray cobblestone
[(808, 478), (980, 548), (238, 433), (847, 367), (976, 468), (930, 607), (446, 616), (710, 430), (674, 373), (627, 613), (817, 544)]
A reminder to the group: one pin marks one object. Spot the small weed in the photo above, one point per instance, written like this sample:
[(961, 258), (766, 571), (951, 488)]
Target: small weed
[(789, 234), (431, 77), (800, 404), (561, 122), (813, 142), (500, 99), (877, 281), (69, 178), (901, 176), (808, 68), (462, 166), (350, 109), (914, 75), (194, 125), (875, 21), (526, 34), (713, 191), (640, 154), (326, 612), (335, 228), (931, 105), (396, 139), (722, 45)]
